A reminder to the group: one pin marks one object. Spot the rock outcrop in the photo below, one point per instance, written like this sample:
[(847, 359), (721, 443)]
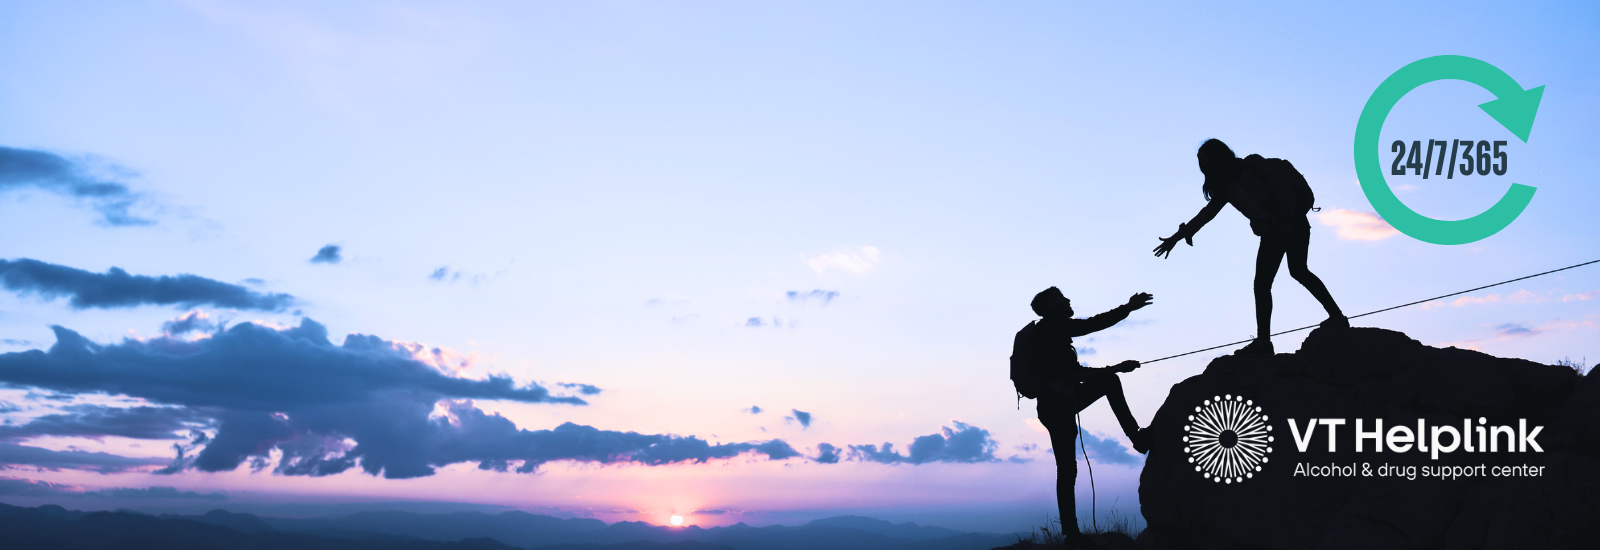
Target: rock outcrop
[(1373, 374)]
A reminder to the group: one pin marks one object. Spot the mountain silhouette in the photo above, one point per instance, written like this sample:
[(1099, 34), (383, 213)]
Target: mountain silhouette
[(55, 527), (51, 529), (1369, 374)]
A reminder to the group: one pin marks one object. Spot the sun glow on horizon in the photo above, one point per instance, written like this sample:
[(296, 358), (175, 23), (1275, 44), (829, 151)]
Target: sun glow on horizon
[(677, 520)]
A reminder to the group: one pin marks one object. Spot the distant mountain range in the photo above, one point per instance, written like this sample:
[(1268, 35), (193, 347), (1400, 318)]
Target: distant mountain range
[(54, 527)]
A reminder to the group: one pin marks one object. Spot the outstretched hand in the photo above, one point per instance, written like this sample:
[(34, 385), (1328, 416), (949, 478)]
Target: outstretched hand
[(1165, 249), (1139, 300), (1125, 366)]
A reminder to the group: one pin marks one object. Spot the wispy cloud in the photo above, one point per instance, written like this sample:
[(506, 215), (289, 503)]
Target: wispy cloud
[(1513, 331), (1022, 451), (1518, 297), (23, 168), (1581, 296), (821, 296), (1353, 225), (586, 389), (858, 261), (759, 322), (446, 275)]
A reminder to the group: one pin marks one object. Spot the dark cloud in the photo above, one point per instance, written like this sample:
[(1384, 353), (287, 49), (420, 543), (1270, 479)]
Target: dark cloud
[(328, 408), (21, 168), (827, 454), (22, 487), (470, 435), (708, 512), (1105, 449), (818, 295), (586, 389), (964, 444), (23, 456), (327, 255), (96, 421), (194, 321), (116, 288), (804, 418)]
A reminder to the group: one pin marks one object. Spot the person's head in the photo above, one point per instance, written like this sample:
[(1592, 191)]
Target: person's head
[(1217, 162), (1051, 303)]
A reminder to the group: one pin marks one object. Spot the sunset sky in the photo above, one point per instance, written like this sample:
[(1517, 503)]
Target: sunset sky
[(635, 259)]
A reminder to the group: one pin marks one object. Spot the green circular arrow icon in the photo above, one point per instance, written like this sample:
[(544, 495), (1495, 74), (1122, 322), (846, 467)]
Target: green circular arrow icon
[(1514, 108)]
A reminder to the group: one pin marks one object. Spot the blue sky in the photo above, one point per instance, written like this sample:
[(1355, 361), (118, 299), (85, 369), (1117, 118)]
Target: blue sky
[(626, 194)]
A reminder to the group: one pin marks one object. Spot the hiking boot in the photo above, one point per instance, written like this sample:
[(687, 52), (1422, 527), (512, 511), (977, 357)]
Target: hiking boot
[(1140, 441), (1260, 346), (1336, 322)]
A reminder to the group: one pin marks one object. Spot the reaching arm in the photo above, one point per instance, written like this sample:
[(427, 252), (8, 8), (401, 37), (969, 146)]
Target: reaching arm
[(1186, 231), (1123, 367), (1082, 327)]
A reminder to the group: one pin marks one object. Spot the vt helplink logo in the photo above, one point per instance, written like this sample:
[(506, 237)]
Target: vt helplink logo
[(1227, 439), (1514, 109)]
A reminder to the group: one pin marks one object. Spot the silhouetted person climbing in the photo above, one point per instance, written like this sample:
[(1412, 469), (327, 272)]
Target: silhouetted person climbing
[(1275, 197), (1045, 366)]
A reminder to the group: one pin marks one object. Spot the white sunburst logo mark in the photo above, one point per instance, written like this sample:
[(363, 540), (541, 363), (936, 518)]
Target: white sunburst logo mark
[(1227, 439)]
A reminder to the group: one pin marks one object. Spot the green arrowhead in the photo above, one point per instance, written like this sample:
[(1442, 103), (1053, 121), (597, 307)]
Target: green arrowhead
[(1515, 111)]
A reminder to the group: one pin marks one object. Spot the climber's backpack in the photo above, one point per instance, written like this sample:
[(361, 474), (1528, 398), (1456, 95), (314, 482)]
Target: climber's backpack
[(1022, 376), (1289, 189)]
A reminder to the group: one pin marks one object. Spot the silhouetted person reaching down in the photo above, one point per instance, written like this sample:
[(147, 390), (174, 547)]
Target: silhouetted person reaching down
[(1275, 197), (1048, 370)]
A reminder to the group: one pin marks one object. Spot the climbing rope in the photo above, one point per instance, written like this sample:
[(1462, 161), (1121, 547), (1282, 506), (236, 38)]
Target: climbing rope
[(1379, 310), (1093, 514)]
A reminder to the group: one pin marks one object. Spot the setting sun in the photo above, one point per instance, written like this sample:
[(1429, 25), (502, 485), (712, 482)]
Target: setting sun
[(677, 520)]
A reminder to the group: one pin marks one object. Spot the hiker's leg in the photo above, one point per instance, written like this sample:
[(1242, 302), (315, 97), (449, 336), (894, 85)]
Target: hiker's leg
[(1268, 256), (1103, 382), (1063, 435), (1298, 269)]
